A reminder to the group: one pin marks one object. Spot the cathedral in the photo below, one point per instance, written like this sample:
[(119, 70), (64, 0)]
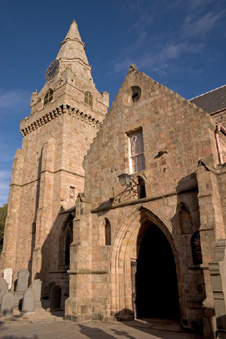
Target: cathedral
[(124, 210)]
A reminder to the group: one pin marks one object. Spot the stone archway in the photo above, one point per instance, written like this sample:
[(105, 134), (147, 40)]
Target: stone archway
[(125, 252), (156, 279)]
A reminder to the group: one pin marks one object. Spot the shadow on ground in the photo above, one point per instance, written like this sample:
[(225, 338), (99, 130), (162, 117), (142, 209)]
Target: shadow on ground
[(91, 332)]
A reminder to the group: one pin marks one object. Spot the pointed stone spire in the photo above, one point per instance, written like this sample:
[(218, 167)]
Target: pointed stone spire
[(72, 50), (73, 33)]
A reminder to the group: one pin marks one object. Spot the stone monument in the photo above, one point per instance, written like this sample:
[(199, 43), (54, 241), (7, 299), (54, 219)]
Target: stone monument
[(8, 276), (7, 305), (36, 285), (28, 301), (3, 288), (22, 281)]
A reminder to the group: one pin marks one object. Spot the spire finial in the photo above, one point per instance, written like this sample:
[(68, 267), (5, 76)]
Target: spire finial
[(132, 68), (73, 49), (73, 33)]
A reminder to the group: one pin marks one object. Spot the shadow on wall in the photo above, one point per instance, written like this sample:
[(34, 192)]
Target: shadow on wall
[(186, 225), (221, 325), (33, 235), (55, 254)]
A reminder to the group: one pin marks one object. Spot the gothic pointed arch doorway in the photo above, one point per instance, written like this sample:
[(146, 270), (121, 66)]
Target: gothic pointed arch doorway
[(156, 278)]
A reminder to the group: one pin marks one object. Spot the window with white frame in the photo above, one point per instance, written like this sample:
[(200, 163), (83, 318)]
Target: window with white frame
[(136, 150)]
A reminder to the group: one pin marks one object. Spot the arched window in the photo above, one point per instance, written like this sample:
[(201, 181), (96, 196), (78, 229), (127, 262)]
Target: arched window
[(48, 97), (141, 188), (68, 238), (185, 220), (107, 226), (89, 98), (196, 248)]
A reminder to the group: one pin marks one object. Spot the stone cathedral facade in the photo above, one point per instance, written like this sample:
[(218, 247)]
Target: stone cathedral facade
[(126, 210)]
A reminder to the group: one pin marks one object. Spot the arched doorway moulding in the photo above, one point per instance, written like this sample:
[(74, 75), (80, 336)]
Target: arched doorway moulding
[(125, 248)]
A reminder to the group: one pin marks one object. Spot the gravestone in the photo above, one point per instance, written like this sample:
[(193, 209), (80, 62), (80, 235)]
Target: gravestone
[(22, 281), (36, 285), (50, 286), (7, 305), (8, 276), (55, 298), (28, 304), (3, 288)]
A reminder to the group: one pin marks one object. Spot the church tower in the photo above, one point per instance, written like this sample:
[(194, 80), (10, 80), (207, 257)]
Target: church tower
[(47, 172)]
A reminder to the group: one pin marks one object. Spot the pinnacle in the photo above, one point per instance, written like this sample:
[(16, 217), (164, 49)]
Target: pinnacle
[(72, 47), (73, 32)]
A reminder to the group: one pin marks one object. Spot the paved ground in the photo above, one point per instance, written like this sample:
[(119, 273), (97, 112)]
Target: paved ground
[(57, 328)]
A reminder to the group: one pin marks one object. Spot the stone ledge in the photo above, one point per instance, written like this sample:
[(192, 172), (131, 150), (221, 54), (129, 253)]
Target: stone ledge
[(54, 114), (140, 201), (87, 272)]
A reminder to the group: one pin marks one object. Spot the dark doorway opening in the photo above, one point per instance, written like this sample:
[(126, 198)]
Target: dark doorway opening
[(156, 279)]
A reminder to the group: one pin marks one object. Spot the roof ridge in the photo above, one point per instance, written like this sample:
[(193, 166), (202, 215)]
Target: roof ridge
[(207, 92)]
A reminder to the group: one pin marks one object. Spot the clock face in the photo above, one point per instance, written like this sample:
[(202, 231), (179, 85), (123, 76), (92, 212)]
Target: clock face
[(52, 70)]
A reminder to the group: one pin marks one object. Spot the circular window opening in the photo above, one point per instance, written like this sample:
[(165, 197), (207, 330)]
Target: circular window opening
[(136, 93)]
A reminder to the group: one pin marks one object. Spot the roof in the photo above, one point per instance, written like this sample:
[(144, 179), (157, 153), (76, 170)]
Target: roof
[(212, 101)]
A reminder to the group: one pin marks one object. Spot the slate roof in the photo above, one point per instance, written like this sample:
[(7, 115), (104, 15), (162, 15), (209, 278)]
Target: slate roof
[(212, 101)]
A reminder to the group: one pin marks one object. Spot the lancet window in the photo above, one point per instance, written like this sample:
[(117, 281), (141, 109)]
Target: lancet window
[(107, 227), (89, 99), (136, 150)]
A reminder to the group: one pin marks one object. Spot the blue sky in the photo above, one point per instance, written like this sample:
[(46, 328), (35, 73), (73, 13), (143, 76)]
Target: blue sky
[(181, 44)]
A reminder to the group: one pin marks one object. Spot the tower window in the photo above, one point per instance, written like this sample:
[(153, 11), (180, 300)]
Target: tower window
[(136, 149), (48, 97), (89, 99)]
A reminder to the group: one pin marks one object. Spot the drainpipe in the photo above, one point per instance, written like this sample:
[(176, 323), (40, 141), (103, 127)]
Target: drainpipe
[(217, 131)]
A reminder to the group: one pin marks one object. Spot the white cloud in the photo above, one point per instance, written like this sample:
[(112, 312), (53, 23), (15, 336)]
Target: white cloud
[(154, 51), (195, 4), (7, 151), (5, 174), (158, 60), (198, 27), (11, 99), (123, 65)]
